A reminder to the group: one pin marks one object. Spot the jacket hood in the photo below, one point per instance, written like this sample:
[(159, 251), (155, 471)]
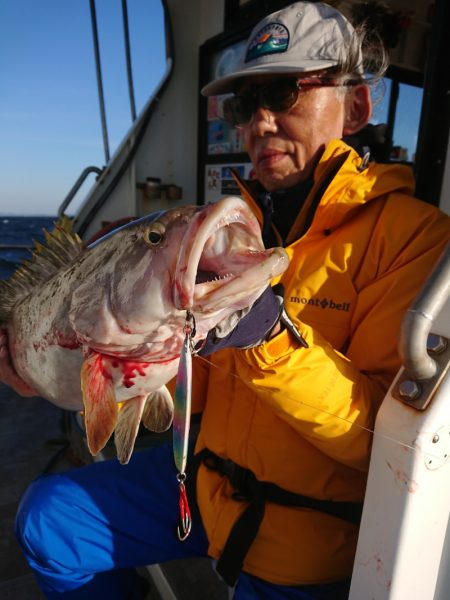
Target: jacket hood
[(343, 183), (356, 183)]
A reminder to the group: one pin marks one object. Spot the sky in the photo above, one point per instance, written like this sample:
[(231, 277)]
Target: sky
[(50, 126)]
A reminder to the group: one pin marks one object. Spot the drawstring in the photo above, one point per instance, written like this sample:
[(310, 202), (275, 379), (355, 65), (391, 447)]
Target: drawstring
[(267, 206)]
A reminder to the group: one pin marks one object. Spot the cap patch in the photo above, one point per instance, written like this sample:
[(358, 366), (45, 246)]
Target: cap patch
[(271, 39)]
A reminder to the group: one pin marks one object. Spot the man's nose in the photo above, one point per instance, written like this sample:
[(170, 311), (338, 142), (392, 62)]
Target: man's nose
[(263, 121)]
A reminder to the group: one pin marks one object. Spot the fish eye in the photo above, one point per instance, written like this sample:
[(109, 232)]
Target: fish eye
[(155, 234)]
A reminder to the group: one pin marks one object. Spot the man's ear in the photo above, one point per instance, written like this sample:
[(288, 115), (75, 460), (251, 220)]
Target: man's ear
[(358, 109)]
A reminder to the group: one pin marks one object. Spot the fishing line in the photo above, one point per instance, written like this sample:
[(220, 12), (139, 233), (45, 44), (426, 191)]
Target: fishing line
[(322, 410)]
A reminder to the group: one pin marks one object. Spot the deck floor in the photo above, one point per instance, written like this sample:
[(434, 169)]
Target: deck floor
[(31, 435)]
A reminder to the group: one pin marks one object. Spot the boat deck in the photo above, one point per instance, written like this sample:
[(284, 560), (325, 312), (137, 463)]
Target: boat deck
[(32, 440)]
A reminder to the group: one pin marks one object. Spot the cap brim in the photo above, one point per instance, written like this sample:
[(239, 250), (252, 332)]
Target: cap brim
[(227, 84)]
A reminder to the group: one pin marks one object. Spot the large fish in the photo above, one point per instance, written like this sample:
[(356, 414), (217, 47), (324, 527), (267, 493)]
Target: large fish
[(112, 315)]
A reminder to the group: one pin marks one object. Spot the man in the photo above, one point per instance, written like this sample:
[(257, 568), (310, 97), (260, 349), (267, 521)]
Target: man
[(284, 443)]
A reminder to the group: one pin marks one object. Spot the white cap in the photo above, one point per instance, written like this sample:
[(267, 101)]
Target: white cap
[(305, 36)]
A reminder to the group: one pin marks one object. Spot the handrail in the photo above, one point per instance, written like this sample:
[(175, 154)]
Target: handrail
[(101, 97), (76, 186), (139, 127), (126, 35), (98, 70), (419, 319)]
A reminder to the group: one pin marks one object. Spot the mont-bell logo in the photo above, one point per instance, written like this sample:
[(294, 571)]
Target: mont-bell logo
[(271, 39), (323, 303)]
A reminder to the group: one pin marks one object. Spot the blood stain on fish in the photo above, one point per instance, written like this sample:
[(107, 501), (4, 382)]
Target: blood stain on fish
[(130, 370)]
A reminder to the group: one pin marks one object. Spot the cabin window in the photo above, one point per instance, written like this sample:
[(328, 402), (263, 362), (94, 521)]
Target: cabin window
[(400, 109)]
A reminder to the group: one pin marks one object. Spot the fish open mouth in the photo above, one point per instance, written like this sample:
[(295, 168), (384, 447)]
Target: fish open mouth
[(222, 259)]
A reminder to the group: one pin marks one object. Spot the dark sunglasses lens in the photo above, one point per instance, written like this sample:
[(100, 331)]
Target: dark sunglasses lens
[(280, 95), (277, 96), (238, 110)]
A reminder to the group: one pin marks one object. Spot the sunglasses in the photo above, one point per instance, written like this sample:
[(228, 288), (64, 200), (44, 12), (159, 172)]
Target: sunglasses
[(277, 96)]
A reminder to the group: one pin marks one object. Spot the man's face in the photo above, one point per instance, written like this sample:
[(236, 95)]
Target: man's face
[(285, 147)]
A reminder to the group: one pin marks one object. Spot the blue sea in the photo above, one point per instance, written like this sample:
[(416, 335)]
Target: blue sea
[(19, 231)]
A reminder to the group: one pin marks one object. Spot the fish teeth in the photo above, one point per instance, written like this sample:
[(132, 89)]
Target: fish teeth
[(223, 277)]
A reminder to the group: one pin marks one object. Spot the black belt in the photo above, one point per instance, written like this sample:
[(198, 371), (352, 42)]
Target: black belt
[(257, 493)]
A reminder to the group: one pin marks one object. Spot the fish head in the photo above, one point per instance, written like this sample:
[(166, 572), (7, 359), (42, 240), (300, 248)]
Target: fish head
[(208, 259), (123, 303)]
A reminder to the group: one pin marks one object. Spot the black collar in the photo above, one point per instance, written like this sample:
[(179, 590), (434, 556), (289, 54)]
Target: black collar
[(280, 209)]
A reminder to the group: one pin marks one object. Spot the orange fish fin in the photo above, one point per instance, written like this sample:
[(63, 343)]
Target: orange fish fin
[(158, 411), (100, 406), (128, 426)]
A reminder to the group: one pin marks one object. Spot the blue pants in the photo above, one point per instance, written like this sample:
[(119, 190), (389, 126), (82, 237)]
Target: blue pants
[(84, 531)]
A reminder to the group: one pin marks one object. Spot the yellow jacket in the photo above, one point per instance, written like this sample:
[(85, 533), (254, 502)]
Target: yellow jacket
[(301, 418)]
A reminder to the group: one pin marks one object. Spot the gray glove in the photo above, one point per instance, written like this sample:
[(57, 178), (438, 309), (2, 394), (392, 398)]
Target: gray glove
[(251, 326)]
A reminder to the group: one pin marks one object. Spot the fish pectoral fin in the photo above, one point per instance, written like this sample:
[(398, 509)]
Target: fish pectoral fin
[(128, 426), (100, 406), (158, 411)]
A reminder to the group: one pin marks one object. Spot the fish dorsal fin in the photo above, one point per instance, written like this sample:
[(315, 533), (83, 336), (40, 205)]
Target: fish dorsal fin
[(59, 249), (158, 411)]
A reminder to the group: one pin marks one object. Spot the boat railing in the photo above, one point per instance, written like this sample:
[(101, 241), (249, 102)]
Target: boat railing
[(415, 340), (76, 186), (125, 153)]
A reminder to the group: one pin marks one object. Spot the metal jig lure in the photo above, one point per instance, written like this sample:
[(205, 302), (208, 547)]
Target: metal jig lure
[(181, 423)]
